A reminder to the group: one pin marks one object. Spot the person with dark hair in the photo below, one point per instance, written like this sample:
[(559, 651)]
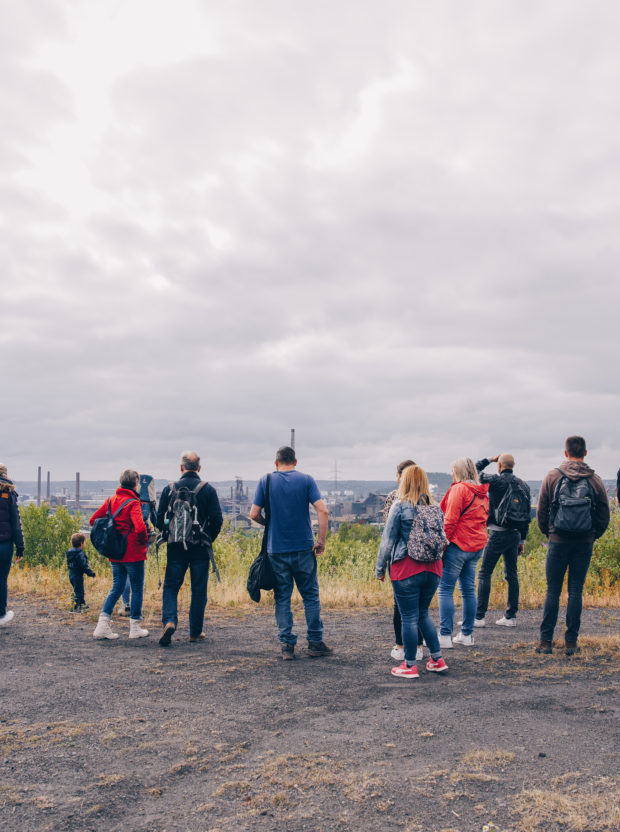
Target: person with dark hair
[(11, 535), (77, 563), (398, 651), (573, 511), (130, 523), (291, 548), (194, 554)]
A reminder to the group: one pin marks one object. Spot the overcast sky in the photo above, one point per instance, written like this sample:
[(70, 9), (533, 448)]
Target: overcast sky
[(390, 225)]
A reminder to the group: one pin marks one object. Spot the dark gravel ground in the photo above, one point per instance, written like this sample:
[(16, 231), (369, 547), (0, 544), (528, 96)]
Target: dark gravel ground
[(223, 735)]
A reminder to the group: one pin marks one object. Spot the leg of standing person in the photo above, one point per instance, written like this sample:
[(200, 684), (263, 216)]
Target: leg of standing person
[(305, 576), (453, 560), (77, 582), (199, 577), (6, 557), (511, 574), (283, 574), (429, 582), (467, 587), (492, 554), (578, 565), (407, 593), (135, 573), (119, 576), (126, 597), (176, 567), (555, 567), (398, 625)]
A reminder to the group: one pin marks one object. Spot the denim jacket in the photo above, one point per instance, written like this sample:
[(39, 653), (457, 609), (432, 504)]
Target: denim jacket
[(395, 535)]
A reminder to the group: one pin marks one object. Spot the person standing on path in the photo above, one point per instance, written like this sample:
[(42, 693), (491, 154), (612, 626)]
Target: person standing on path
[(195, 553), (573, 511), (506, 536), (291, 548), (11, 536)]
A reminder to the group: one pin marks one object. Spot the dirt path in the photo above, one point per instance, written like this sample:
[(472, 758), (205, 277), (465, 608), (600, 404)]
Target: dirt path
[(223, 735)]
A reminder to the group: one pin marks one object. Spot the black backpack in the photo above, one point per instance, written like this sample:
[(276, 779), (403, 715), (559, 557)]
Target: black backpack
[(106, 538), (261, 573), (515, 508), (572, 506), (181, 521)]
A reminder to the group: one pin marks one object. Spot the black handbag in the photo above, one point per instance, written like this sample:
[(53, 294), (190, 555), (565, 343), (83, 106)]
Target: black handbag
[(261, 573)]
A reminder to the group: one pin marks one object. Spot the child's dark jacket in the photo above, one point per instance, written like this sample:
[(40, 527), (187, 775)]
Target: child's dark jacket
[(78, 562)]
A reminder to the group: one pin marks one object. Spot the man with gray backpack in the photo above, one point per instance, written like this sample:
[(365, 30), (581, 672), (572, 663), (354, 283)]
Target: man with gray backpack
[(573, 511), (189, 518), (509, 519)]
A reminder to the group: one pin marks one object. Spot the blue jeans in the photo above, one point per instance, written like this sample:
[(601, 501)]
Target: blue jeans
[(458, 566), (414, 596), (575, 556), (120, 573), (6, 556), (126, 592), (301, 568), (176, 567)]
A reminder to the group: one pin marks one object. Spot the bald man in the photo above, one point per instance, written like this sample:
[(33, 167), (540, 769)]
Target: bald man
[(508, 523)]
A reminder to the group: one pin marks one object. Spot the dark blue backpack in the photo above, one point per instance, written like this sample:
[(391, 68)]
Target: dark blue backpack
[(106, 538)]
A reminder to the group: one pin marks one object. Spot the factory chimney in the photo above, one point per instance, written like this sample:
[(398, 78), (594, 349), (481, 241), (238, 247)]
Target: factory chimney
[(77, 491), (293, 438), (48, 493), (39, 486)]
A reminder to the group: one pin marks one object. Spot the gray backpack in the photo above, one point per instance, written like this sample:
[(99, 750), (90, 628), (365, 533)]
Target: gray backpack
[(427, 540), (181, 524)]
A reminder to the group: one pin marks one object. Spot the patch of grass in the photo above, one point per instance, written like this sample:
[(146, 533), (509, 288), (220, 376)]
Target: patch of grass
[(582, 808), (487, 758)]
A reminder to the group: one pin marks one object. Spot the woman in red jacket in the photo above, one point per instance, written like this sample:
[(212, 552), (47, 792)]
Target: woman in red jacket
[(129, 522), (466, 508)]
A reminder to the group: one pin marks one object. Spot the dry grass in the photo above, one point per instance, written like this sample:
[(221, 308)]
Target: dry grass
[(580, 808)]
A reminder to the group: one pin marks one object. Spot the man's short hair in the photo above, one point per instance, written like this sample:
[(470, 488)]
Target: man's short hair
[(129, 478), (190, 460), (77, 540), (285, 455), (576, 447)]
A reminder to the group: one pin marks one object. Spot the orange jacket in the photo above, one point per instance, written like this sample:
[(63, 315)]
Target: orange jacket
[(129, 522), (466, 527)]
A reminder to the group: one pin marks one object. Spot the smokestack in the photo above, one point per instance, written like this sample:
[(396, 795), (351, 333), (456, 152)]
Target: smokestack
[(39, 485), (49, 490), (77, 491), (293, 438)]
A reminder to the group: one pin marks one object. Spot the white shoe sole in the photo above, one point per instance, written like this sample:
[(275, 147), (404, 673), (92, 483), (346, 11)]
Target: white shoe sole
[(507, 623), (139, 635)]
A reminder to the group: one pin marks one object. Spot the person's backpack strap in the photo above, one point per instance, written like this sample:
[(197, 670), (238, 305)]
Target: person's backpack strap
[(119, 509), (468, 506)]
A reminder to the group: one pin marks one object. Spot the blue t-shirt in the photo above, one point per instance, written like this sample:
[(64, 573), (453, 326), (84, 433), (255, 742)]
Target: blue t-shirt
[(290, 495)]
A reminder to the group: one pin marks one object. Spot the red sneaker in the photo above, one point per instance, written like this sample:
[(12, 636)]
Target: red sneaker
[(436, 666), (406, 672)]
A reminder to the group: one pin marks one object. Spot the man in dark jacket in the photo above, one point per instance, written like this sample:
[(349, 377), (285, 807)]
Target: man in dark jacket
[(505, 539), (572, 532), (11, 535), (181, 555)]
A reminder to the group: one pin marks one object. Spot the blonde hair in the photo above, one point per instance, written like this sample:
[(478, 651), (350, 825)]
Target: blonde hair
[(413, 484), (463, 469)]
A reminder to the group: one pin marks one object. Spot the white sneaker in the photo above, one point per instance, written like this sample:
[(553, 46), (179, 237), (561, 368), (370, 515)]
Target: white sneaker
[(104, 628), (7, 618), (467, 641), (135, 630), (419, 654), (398, 653), (478, 622), (445, 642), (507, 622)]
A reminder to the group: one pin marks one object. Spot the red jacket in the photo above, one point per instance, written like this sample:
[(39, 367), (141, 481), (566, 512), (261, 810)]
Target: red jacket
[(129, 522), (466, 529)]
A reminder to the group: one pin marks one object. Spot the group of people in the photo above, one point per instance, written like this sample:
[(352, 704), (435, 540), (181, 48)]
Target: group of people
[(424, 549)]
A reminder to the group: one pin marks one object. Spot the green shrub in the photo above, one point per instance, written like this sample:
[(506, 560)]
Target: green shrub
[(47, 534)]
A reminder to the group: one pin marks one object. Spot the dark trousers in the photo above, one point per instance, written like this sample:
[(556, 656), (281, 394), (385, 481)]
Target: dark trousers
[(504, 543), (6, 556), (76, 576), (574, 556), (177, 565)]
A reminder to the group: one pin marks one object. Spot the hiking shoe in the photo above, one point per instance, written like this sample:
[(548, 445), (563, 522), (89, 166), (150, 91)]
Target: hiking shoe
[(404, 672), (319, 648), (507, 622), (200, 637), (166, 634), (460, 638), (436, 665), (104, 628), (445, 642), (419, 653), (398, 653), (544, 647), (571, 648), (288, 652), (135, 630), (7, 618)]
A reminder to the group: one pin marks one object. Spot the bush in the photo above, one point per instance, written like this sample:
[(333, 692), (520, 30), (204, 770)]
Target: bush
[(47, 534)]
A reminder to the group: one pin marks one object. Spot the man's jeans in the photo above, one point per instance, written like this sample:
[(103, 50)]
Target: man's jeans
[(299, 567), (461, 566), (575, 556), (176, 567), (6, 556), (504, 543), (414, 595), (120, 572)]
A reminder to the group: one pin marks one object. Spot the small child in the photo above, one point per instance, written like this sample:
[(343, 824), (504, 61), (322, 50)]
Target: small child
[(78, 567)]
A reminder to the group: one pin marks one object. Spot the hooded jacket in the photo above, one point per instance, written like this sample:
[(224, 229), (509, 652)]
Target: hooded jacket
[(465, 525), (129, 522), (10, 519), (574, 469)]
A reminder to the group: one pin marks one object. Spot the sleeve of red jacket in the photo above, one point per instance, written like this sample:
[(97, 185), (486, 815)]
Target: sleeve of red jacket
[(452, 514), (137, 521), (101, 512)]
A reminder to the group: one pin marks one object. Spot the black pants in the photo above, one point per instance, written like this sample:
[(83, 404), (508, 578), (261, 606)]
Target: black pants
[(574, 555), (504, 543), (77, 582)]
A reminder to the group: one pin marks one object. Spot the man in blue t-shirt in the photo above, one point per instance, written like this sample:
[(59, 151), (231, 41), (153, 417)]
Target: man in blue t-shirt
[(291, 547)]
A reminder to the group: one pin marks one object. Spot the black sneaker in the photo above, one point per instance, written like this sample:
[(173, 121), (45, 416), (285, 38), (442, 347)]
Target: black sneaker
[(571, 648), (288, 652), (166, 634), (319, 648)]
